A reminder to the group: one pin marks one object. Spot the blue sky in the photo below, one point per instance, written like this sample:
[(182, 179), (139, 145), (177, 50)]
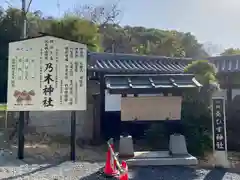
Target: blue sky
[(215, 21)]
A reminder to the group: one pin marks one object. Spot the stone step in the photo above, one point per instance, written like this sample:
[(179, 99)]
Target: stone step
[(163, 161), (151, 154)]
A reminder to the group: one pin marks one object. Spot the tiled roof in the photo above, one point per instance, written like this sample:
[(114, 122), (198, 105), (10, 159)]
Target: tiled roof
[(134, 63), (152, 81), (128, 63), (226, 63)]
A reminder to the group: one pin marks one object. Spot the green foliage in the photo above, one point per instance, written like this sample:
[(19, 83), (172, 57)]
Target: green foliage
[(142, 40), (157, 136), (197, 127), (76, 29), (204, 72), (196, 114), (231, 51)]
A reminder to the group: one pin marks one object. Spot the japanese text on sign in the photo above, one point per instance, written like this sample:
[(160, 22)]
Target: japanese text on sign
[(47, 73), (219, 124)]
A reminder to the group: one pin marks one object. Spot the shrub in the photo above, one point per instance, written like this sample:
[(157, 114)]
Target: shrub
[(157, 136), (197, 127)]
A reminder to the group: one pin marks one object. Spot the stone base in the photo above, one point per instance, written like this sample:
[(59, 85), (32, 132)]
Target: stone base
[(161, 158), (177, 145), (126, 147), (221, 159), (177, 154)]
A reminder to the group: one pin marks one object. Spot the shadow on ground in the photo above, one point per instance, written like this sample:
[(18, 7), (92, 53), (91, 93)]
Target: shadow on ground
[(25, 167), (168, 173), (31, 172), (216, 174)]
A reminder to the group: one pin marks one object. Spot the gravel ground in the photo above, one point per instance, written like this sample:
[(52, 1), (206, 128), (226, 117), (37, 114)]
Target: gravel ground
[(11, 168), (35, 168)]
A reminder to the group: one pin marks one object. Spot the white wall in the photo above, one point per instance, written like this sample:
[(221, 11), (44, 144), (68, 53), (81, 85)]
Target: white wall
[(113, 101), (223, 93)]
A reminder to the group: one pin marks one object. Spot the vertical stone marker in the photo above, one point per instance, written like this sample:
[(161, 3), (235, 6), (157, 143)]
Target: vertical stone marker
[(219, 132)]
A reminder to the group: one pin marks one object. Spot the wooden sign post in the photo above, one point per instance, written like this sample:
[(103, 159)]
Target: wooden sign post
[(219, 132)]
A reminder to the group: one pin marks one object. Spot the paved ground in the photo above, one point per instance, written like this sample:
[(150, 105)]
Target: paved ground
[(39, 169), (11, 169), (174, 173)]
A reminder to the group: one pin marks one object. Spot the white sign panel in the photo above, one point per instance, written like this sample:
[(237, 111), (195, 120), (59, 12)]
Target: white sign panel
[(47, 74)]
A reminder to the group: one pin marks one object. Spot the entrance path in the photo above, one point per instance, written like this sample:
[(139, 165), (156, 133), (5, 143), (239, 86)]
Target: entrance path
[(11, 169), (174, 173), (14, 169)]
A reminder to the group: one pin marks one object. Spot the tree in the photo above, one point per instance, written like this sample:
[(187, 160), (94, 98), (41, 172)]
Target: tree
[(76, 29), (10, 30), (101, 15), (204, 71), (231, 51), (96, 26), (196, 112), (72, 28)]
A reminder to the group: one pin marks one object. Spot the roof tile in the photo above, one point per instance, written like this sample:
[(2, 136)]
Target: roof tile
[(108, 62), (151, 81)]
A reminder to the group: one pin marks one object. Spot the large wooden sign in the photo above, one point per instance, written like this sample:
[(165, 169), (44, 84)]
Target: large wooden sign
[(47, 74), (151, 108)]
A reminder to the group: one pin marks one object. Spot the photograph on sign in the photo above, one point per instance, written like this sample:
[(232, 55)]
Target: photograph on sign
[(47, 74)]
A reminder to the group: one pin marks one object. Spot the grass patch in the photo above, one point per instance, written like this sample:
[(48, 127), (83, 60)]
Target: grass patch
[(3, 107)]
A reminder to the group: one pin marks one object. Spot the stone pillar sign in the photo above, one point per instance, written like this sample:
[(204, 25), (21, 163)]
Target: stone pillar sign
[(219, 132)]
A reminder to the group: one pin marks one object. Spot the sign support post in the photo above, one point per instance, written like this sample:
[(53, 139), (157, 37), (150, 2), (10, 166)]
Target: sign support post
[(21, 135), (21, 120), (219, 132), (73, 136)]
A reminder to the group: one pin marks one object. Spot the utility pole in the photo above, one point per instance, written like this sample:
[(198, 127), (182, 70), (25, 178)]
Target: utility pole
[(24, 21), (22, 114)]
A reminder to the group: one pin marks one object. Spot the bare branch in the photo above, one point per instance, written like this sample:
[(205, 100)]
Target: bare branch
[(28, 7), (8, 3), (101, 15)]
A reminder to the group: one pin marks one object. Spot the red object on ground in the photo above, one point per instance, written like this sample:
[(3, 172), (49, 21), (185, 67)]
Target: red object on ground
[(110, 166), (124, 176)]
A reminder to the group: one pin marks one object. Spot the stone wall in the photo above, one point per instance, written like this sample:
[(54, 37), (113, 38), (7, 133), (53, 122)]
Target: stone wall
[(60, 123)]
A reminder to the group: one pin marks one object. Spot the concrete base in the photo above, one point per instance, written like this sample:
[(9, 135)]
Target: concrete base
[(221, 159), (126, 147), (160, 158), (177, 145)]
